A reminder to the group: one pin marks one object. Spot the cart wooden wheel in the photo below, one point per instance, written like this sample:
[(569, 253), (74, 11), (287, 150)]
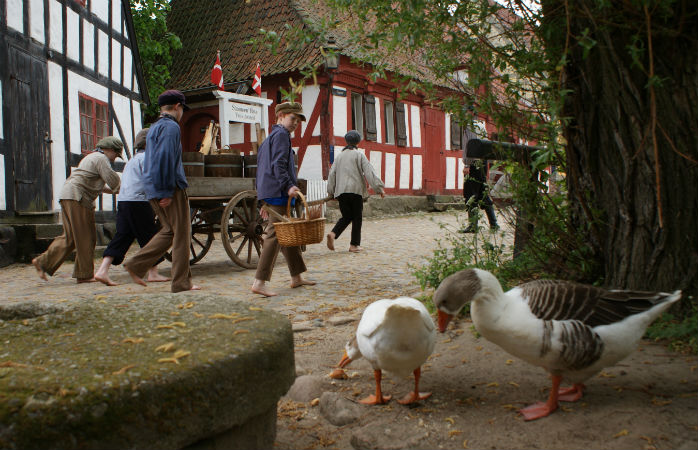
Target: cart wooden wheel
[(201, 236), (241, 229)]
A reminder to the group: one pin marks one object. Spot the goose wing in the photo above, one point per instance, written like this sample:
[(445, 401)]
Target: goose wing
[(591, 305)]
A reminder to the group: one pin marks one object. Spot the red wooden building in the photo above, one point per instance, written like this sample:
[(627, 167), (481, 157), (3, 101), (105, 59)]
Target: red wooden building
[(409, 140)]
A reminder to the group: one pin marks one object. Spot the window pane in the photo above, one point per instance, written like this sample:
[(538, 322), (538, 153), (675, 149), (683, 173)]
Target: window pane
[(83, 141), (101, 129), (83, 106), (388, 122), (101, 112), (357, 113)]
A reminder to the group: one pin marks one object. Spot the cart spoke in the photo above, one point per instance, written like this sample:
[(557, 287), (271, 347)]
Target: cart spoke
[(242, 244)]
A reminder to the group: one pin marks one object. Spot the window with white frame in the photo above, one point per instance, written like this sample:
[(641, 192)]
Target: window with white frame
[(94, 122), (357, 113), (388, 122)]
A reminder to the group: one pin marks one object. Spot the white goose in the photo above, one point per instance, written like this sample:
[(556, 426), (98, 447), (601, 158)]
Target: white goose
[(394, 335), (572, 330)]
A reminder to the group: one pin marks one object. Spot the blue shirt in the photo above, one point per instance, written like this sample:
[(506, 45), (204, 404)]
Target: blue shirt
[(132, 183), (163, 170), (276, 169)]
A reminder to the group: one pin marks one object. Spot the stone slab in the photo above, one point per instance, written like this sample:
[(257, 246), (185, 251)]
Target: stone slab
[(97, 375)]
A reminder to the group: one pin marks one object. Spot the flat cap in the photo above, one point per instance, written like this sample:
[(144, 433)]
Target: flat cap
[(352, 137), (139, 143), (290, 107), (111, 143), (172, 97)]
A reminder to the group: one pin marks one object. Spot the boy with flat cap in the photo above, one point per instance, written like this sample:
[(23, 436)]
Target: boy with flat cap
[(276, 182), (165, 187), (81, 188)]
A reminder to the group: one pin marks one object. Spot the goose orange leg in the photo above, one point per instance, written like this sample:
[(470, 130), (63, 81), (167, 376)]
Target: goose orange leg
[(540, 409), (571, 394), (377, 399), (416, 395)]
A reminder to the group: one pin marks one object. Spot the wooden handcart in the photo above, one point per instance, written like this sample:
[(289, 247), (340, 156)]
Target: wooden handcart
[(228, 206)]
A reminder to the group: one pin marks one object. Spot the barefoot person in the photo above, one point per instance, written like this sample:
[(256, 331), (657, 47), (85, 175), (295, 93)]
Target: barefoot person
[(134, 217), (347, 183), (165, 184), (276, 182), (85, 183)]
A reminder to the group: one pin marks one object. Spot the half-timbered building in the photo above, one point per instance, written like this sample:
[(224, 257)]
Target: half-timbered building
[(409, 140), (70, 74)]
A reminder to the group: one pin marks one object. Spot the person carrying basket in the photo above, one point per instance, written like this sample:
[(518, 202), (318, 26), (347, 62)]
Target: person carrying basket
[(276, 182)]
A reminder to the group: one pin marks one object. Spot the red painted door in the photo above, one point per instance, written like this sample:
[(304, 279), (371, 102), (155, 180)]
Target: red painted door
[(434, 144)]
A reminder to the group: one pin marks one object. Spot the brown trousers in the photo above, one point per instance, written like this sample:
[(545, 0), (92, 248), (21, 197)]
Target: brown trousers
[(270, 250), (175, 233), (78, 234)]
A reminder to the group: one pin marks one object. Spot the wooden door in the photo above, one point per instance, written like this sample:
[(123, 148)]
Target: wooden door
[(29, 135), (434, 144)]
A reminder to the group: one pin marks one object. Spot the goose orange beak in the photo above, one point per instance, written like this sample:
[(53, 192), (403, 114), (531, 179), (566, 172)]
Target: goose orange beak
[(443, 320), (345, 360)]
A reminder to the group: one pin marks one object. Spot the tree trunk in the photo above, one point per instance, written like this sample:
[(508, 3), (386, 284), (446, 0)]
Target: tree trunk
[(623, 134)]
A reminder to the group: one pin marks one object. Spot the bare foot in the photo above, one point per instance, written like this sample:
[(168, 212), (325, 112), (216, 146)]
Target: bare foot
[(330, 241), (104, 279), (302, 282), (86, 280), (136, 278), (40, 270), (263, 291), (194, 287), (155, 277), (355, 249)]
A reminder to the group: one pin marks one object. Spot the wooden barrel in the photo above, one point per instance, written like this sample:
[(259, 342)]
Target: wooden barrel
[(250, 166), (223, 165), (193, 163)]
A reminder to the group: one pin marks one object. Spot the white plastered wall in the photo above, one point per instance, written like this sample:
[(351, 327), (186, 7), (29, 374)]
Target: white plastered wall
[(55, 21), (461, 177), (389, 170), (405, 171), (339, 114), (116, 60), (56, 115), (100, 8), (103, 48), (447, 132), (15, 15), (3, 202), (416, 126), (36, 20), (310, 97), (116, 15), (88, 45), (451, 164), (417, 173), (376, 160), (379, 121), (311, 169), (73, 39)]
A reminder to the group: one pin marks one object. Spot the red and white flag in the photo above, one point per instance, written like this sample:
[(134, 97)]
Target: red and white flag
[(217, 72), (257, 82)]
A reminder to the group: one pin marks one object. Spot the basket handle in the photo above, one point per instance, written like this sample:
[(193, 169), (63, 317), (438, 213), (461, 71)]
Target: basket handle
[(305, 204)]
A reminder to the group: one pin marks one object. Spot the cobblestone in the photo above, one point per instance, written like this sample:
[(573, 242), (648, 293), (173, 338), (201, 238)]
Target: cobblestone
[(345, 280)]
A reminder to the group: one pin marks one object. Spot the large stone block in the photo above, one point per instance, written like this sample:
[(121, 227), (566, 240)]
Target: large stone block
[(146, 371)]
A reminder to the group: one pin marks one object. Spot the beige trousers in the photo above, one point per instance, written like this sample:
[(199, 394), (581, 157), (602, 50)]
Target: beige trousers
[(78, 234), (175, 233), (270, 250)]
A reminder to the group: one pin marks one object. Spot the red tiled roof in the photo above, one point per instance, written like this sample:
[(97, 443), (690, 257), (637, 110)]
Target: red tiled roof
[(225, 25)]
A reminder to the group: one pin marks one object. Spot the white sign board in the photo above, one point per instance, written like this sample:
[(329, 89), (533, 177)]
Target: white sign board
[(240, 112), (234, 109)]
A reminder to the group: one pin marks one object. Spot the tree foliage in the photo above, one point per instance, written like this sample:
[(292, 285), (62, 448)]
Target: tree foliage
[(602, 87), (156, 45)]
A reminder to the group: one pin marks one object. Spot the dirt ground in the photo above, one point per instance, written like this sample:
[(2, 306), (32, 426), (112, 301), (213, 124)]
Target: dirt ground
[(647, 401)]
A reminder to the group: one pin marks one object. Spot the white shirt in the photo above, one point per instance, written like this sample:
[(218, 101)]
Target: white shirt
[(132, 186)]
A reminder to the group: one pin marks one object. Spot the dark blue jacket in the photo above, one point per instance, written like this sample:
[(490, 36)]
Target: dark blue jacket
[(276, 169), (162, 169)]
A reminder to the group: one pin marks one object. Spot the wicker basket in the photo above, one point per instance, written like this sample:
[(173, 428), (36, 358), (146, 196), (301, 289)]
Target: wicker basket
[(298, 232)]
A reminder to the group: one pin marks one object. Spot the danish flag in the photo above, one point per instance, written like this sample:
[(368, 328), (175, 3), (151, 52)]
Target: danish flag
[(257, 82), (217, 72)]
